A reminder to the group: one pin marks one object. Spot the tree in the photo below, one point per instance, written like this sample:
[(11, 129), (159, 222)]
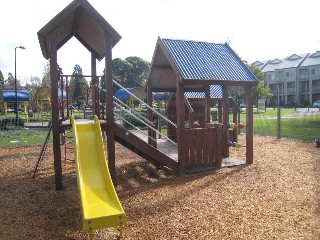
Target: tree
[(120, 70), (46, 76), (9, 83), (138, 72), (259, 91), (78, 86), (131, 72), (32, 87), (1, 80)]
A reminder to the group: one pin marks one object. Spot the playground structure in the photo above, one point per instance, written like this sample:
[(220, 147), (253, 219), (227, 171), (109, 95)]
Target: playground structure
[(8, 101), (171, 72), (178, 68)]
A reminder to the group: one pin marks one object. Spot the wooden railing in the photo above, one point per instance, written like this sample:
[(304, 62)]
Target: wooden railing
[(203, 147)]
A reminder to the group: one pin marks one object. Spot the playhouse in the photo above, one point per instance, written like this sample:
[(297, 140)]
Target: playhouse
[(43, 99)]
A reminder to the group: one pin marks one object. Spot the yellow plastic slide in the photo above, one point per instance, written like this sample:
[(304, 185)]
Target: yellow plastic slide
[(100, 204)]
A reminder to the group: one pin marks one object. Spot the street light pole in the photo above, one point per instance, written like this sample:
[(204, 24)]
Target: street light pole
[(15, 83)]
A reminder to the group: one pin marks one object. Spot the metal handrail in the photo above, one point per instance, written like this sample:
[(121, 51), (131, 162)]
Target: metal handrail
[(145, 123), (145, 119), (145, 104), (135, 127)]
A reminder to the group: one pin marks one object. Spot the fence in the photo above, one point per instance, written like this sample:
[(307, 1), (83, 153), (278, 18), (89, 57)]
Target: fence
[(300, 123)]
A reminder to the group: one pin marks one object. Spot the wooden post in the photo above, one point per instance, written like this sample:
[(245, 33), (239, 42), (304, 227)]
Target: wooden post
[(109, 108), (225, 120), (55, 110), (235, 121), (180, 126), (278, 122), (249, 125), (207, 105), (94, 90), (219, 112)]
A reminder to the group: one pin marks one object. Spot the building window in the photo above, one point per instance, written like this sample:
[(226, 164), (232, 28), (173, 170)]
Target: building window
[(313, 71), (287, 74)]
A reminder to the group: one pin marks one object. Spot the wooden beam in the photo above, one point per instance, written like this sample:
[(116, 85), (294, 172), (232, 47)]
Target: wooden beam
[(207, 105), (76, 20), (95, 84), (225, 120), (180, 108), (109, 108), (55, 109), (249, 125)]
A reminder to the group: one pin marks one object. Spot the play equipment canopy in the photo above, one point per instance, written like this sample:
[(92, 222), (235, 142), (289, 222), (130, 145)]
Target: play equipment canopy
[(123, 95), (10, 96)]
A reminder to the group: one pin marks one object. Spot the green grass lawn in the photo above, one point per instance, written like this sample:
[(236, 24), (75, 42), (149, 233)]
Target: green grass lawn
[(306, 128), (18, 137)]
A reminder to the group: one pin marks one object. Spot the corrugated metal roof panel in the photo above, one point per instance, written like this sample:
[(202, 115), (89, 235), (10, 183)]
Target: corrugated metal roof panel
[(215, 92), (207, 61)]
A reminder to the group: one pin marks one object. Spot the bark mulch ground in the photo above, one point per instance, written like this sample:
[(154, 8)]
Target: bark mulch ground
[(277, 197)]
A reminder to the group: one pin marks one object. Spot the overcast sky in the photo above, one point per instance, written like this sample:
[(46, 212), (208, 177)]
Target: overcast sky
[(256, 30)]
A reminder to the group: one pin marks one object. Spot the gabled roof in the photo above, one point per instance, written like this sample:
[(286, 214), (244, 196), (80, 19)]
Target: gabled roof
[(81, 20), (292, 61), (261, 64), (271, 65), (194, 60), (311, 60)]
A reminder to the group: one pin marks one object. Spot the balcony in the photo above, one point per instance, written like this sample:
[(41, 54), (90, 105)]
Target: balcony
[(315, 88), (304, 77)]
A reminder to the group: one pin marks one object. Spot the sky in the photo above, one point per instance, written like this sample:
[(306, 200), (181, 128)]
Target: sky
[(255, 29)]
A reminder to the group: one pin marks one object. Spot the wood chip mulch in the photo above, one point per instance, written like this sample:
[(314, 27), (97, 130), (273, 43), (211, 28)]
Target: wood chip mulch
[(277, 197)]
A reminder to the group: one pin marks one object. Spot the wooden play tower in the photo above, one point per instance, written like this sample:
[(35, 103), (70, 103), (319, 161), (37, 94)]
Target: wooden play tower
[(80, 20)]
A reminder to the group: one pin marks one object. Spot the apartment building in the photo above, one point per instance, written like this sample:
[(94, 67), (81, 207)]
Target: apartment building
[(295, 78)]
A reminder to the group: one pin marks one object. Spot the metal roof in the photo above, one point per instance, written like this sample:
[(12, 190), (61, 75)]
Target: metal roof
[(311, 60), (194, 60), (272, 65), (202, 60), (261, 64), (81, 20), (215, 92), (292, 61)]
